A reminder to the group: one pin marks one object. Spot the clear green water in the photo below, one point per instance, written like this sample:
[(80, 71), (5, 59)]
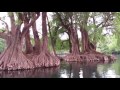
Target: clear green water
[(70, 70)]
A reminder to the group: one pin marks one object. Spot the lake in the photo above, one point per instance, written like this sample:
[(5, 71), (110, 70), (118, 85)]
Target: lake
[(70, 70)]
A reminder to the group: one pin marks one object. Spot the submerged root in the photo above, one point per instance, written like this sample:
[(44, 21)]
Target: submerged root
[(45, 59)]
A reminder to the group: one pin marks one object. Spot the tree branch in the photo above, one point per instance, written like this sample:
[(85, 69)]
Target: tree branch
[(5, 24), (59, 17), (26, 27), (103, 21), (94, 21)]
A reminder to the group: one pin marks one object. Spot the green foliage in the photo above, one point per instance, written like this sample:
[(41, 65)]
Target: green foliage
[(18, 21), (117, 27), (62, 45), (89, 21), (2, 30), (116, 66), (10, 13), (2, 45)]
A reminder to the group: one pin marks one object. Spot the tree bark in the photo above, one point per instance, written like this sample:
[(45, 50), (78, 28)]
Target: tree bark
[(74, 41), (29, 48), (37, 40), (75, 52), (45, 59), (13, 58), (87, 46)]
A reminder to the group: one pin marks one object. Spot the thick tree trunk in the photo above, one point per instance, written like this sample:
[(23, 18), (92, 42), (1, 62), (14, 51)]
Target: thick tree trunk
[(36, 38), (13, 58), (45, 59), (74, 42), (75, 52), (29, 48), (87, 46), (89, 52)]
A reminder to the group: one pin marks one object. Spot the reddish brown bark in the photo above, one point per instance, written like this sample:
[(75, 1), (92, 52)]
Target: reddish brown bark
[(45, 59), (74, 46), (29, 48), (74, 41), (73, 38), (12, 21), (28, 44), (13, 58), (87, 46), (36, 38), (44, 31), (72, 33)]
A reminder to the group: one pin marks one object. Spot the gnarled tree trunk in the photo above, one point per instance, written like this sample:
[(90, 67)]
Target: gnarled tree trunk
[(87, 46), (74, 49), (74, 41), (36, 38), (28, 45), (13, 58), (70, 45), (45, 59), (89, 49)]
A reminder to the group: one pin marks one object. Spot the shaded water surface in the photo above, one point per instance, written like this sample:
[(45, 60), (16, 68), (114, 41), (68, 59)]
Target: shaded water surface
[(70, 70)]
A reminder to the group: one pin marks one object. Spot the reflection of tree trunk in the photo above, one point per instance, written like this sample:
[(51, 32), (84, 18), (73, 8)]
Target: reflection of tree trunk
[(33, 73), (89, 70), (70, 71), (75, 68)]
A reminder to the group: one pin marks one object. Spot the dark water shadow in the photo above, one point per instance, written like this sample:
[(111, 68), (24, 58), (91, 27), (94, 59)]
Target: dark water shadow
[(33, 73)]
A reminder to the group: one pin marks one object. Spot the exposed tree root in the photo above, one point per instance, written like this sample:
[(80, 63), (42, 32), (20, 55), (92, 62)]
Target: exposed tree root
[(45, 59), (72, 57), (14, 59), (89, 57)]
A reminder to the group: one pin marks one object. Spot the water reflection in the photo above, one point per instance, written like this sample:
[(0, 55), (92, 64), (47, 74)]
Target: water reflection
[(69, 70), (34, 73), (78, 70)]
